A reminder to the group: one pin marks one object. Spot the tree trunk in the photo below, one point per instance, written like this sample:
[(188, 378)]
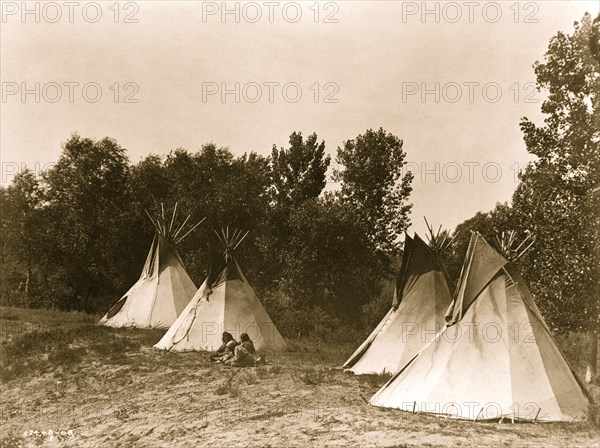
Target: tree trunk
[(592, 364), (28, 277)]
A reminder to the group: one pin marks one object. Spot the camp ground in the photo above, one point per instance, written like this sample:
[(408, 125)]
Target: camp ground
[(213, 232)]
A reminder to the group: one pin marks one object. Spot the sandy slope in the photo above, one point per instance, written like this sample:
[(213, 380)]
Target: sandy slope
[(154, 399)]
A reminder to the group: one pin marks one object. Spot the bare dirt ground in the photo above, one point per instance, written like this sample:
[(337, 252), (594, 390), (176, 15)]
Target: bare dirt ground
[(110, 388)]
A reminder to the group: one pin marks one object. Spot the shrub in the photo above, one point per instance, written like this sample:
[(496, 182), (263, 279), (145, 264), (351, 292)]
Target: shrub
[(36, 342), (67, 356), (312, 377)]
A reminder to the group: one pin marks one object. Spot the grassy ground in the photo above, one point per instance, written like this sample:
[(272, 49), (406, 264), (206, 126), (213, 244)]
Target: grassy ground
[(110, 388)]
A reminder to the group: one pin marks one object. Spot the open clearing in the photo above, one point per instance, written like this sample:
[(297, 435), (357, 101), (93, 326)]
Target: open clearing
[(111, 388)]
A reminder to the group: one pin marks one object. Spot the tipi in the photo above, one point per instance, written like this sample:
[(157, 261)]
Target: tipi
[(494, 359), (164, 288), (424, 290), (224, 302)]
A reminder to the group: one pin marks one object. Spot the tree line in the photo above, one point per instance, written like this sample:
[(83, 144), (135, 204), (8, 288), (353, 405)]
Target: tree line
[(76, 236), (323, 262)]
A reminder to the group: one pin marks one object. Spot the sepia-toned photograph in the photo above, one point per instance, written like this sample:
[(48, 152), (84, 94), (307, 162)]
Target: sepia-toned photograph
[(264, 224)]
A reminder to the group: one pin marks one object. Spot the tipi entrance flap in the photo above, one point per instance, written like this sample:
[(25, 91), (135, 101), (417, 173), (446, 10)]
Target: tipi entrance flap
[(116, 307), (482, 262), (150, 269)]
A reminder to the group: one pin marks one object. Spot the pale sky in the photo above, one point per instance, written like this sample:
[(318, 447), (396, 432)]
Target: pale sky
[(375, 59)]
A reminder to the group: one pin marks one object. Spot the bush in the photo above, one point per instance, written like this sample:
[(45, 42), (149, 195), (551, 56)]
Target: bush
[(374, 311), (114, 348), (19, 369), (576, 347), (67, 356), (36, 342), (296, 320)]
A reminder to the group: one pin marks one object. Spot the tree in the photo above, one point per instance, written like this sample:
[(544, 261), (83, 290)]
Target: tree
[(299, 172), (328, 270), (373, 182), (556, 190), (25, 193), (489, 224), (87, 196), (149, 182), (21, 233), (227, 190)]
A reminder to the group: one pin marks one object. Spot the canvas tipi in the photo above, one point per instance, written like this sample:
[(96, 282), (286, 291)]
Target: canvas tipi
[(424, 292), (494, 359), (224, 302), (164, 288)]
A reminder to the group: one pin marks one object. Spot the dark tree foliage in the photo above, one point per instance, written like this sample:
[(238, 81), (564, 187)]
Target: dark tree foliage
[(87, 198), (555, 197), (327, 255), (22, 227), (373, 182), (77, 238), (557, 200), (299, 171)]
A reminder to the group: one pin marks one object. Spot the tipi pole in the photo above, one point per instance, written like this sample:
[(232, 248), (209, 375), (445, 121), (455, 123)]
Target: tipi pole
[(173, 218), (182, 225), (188, 232), (241, 239), (155, 224)]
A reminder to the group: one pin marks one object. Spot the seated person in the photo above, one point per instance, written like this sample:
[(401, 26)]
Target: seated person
[(229, 352), (225, 350), (247, 343), (244, 353)]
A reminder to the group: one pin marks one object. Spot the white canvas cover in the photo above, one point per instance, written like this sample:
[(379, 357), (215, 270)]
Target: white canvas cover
[(425, 295), (229, 305), (497, 360), (159, 296)]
